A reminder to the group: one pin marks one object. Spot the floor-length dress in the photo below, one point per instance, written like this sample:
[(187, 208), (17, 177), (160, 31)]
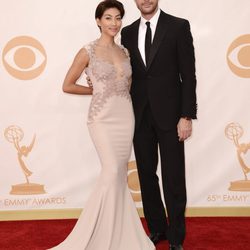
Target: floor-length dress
[(109, 220)]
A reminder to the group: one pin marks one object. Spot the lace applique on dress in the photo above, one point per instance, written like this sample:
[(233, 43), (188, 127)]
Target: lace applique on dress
[(125, 51), (89, 49), (108, 80)]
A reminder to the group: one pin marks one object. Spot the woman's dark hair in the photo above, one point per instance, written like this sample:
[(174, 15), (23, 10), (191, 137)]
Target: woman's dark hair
[(107, 4)]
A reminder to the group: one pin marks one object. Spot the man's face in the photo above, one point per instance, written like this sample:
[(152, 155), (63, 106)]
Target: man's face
[(147, 7)]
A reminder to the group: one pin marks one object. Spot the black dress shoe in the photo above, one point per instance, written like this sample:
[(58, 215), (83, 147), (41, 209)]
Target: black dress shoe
[(175, 247), (157, 237)]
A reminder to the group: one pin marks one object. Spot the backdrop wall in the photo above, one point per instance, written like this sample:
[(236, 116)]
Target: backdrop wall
[(43, 132)]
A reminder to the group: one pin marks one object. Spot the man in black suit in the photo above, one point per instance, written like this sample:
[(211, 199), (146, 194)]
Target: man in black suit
[(164, 100)]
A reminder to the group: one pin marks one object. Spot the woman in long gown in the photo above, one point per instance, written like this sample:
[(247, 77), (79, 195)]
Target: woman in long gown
[(109, 220)]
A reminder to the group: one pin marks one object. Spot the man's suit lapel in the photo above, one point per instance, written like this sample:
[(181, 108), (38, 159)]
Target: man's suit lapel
[(159, 34), (134, 36)]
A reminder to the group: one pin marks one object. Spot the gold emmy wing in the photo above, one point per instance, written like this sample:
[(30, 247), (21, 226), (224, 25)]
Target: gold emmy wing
[(109, 220)]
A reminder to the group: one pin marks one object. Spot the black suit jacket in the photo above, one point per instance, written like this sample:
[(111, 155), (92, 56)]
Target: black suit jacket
[(168, 83)]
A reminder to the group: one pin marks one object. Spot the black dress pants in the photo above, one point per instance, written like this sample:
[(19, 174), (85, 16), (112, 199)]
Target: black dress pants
[(148, 138)]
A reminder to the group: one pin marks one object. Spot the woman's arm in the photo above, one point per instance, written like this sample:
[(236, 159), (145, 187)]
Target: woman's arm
[(79, 64)]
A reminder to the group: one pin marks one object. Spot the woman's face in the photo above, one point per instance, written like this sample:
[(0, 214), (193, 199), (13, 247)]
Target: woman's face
[(110, 23)]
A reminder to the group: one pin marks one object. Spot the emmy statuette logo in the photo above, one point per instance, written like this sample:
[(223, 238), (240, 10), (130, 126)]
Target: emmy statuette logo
[(133, 181), (14, 135), (234, 131)]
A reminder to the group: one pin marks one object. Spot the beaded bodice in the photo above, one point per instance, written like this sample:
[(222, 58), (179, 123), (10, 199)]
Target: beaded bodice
[(110, 76)]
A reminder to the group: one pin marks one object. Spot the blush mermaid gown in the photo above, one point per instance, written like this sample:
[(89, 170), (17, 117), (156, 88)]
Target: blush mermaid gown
[(109, 220)]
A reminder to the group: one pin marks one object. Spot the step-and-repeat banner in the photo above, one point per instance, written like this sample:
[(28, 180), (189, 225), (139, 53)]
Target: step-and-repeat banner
[(47, 159)]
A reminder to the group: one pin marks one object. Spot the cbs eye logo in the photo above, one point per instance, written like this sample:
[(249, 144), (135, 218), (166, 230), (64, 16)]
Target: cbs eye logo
[(24, 58), (238, 56)]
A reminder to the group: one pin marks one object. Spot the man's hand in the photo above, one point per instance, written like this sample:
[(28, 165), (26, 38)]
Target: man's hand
[(184, 128), (89, 82)]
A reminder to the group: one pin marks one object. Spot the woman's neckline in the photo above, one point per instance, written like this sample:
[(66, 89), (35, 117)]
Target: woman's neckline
[(113, 46)]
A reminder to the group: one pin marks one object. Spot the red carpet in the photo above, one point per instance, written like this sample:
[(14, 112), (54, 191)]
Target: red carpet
[(202, 234)]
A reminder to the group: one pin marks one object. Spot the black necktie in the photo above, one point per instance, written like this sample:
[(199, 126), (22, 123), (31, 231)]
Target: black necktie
[(148, 39)]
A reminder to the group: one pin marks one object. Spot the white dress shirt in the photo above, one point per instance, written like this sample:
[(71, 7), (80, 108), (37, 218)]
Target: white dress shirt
[(142, 32)]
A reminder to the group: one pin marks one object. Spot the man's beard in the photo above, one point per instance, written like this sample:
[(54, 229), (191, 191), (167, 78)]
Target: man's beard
[(150, 11)]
